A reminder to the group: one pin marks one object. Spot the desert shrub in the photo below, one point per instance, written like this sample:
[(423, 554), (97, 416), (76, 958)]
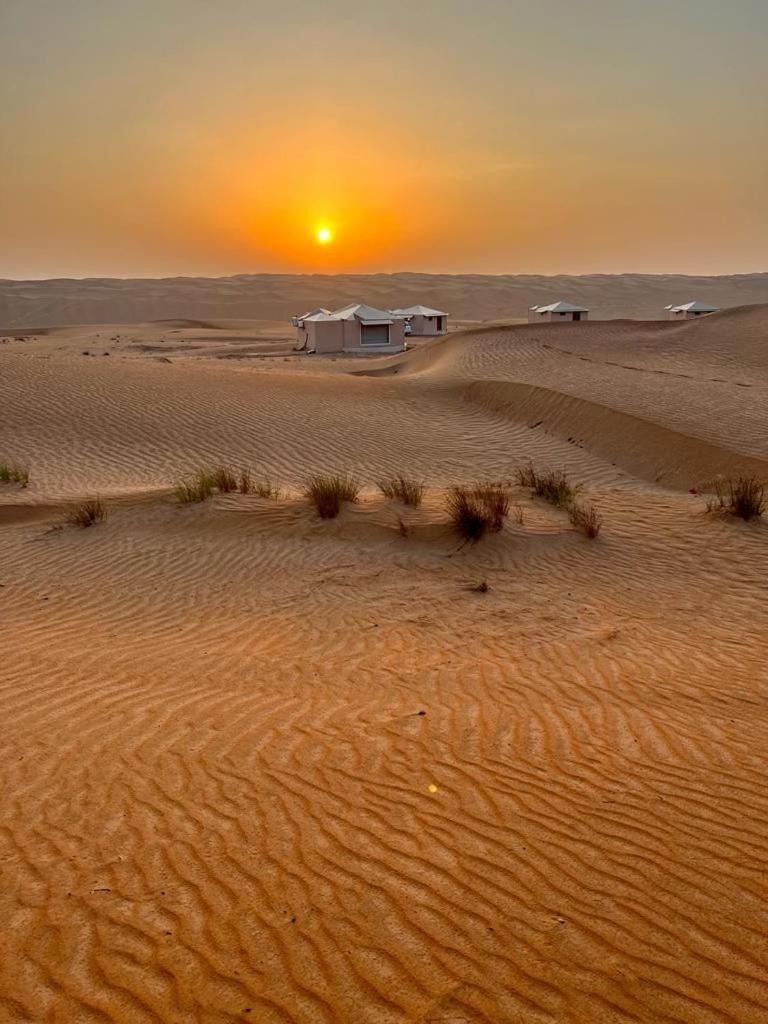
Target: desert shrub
[(470, 517), (194, 489), (480, 587), (327, 492), (223, 479), (14, 473), (495, 499), (585, 518), (410, 492), (477, 510), (552, 485), (744, 497), (245, 482), (266, 489), (86, 513)]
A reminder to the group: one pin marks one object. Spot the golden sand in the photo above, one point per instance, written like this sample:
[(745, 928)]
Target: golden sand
[(257, 766)]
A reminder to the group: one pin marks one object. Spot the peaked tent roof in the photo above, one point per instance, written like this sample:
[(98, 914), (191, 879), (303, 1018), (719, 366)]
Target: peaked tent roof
[(694, 307), (419, 311), (560, 307), (366, 314)]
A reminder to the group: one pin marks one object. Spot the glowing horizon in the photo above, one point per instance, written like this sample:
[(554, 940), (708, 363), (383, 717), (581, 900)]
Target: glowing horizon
[(542, 140)]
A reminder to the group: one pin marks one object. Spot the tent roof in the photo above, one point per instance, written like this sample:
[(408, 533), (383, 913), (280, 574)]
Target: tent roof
[(560, 307), (694, 307), (419, 311)]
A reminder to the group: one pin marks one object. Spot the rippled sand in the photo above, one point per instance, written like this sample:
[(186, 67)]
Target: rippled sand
[(256, 766)]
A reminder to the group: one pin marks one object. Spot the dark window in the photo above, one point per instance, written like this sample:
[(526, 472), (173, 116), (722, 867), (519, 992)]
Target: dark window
[(374, 334)]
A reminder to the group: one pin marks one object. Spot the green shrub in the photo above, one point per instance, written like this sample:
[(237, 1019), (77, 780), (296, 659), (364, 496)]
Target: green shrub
[(14, 473), (194, 489)]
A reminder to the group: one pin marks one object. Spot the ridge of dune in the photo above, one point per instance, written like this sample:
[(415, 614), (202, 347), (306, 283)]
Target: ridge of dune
[(279, 296)]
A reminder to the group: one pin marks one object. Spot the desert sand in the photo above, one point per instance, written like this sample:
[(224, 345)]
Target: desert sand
[(259, 766), (66, 301)]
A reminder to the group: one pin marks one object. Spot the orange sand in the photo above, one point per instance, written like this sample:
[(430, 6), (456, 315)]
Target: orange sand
[(219, 800)]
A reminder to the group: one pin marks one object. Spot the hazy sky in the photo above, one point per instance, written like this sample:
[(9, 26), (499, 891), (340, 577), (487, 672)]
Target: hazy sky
[(164, 137)]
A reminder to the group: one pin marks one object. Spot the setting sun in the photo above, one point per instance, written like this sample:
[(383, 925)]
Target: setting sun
[(324, 236)]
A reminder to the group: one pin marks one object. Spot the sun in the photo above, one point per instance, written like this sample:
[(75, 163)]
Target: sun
[(324, 236)]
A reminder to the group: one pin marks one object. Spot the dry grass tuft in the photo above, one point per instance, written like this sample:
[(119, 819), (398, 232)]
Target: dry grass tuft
[(477, 510), (495, 499), (86, 513), (585, 518), (223, 479), (410, 492), (14, 473), (327, 491), (195, 489), (261, 488), (552, 485), (744, 498), (479, 588)]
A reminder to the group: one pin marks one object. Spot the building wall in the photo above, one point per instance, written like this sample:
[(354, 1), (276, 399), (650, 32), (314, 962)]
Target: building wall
[(324, 336), (424, 326), (685, 314)]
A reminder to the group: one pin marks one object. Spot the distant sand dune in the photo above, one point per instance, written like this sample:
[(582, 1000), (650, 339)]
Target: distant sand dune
[(279, 296)]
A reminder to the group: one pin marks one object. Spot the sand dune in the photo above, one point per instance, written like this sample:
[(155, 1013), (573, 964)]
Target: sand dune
[(257, 766), (278, 296)]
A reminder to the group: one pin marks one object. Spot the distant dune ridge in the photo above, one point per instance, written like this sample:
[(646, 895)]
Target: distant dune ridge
[(275, 296)]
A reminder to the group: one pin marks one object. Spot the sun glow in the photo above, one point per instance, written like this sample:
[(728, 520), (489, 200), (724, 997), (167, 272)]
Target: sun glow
[(324, 236)]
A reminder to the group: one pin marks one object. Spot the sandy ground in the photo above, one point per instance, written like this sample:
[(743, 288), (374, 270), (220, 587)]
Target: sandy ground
[(256, 766), (280, 296)]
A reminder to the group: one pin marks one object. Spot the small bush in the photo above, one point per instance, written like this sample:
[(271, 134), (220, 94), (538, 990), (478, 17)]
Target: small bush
[(477, 510), (470, 518), (13, 473), (327, 492), (410, 492), (86, 513), (195, 489), (479, 588), (224, 480), (266, 489), (585, 518), (744, 498), (245, 483), (553, 485), (495, 499)]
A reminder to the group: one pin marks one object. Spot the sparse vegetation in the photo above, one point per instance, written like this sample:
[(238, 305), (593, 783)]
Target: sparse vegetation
[(327, 492), (410, 492), (744, 497), (194, 489), (495, 499), (585, 518), (552, 485), (14, 473), (477, 510), (86, 513), (481, 587), (261, 488), (224, 480)]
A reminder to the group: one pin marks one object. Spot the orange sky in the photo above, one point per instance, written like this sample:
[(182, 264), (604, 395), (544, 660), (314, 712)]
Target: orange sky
[(184, 137)]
